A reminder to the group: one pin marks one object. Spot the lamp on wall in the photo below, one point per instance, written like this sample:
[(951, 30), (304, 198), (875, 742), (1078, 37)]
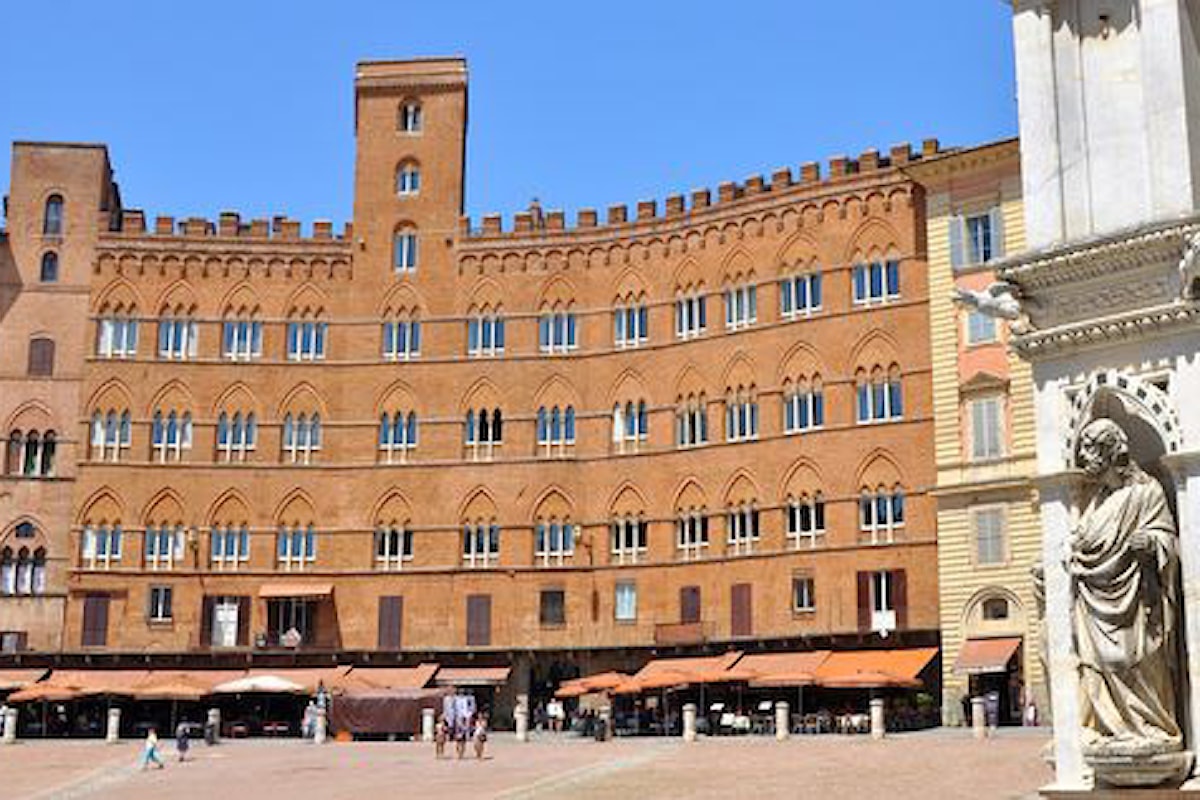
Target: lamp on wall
[(193, 543)]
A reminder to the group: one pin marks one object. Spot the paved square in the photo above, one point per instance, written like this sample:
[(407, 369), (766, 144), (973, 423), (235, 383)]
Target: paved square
[(934, 764)]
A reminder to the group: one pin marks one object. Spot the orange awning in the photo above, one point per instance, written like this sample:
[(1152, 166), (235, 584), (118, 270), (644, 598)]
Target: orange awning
[(776, 670), (702, 665), (874, 669), (19, 678), (296, 590), (170, 684), (472, 676), (417, 677), (982, 656)]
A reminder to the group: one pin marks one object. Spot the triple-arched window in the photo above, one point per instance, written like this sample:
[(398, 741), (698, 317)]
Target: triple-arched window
[(881, 513), (30, 453), (805, 520), (555, 429), (879, 394), (170, 434), (237, 435), (301, 437), (397, 435), (23, 571), (111, 434), (630, 425), (483, 432)]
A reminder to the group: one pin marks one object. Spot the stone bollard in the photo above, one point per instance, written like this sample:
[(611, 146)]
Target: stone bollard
[(783, 720), (978, 718), (606, 721), (521, 719), (212, 732), (689, 722), (427, 722), (321, 733), (113, 734), (10, 726), (878, 722)]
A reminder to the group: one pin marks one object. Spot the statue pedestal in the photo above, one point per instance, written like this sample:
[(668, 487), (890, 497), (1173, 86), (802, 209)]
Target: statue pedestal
[(1117, 769)]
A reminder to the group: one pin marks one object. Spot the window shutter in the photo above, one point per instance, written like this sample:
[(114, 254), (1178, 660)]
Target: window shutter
[(900, 598), (689, 604), (41, 357), (479, 620), (206, 620), (742, 617), (95, 620), (391, 618), (997, 220), (243, 632), (864, 601), (956, 241)]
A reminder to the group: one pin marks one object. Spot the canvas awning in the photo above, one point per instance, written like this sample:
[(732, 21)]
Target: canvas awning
[(74, 683), (472, 676), (170, 684), (984, 656), (778, 670), (19, 678), (700, 666), (286, 680), (874, 669), (417, 677), (296, 590)]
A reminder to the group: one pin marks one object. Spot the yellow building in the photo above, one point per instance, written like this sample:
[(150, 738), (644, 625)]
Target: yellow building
[(988, 526)]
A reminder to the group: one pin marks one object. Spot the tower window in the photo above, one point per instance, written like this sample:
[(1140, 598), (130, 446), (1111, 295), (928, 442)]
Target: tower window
[(49, 273), (410, 117), (52, 223)]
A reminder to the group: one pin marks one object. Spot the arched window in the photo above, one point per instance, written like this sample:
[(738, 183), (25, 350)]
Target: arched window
[(402, 338), (741, 414), (995, 609), (52, 223), (691, 534), (555, 430), (690, 312), (23, 572), (171, 434), (49, 273), (12, 454), (408, 178), (805, 520), (230, 544), (410, 117), (558, 330), (237, 435), (879, 394), (164, 546), (741, 529), (404, 249), (101, 545), (629, 539), (554, 542), (485, 333), (691, 421), (397, 436), (241, 337), (481, 543), (41, 357), (306, 336), (803, 404), (483, 433), (393, 546), (881, 514), (117, 334), (296, 547)]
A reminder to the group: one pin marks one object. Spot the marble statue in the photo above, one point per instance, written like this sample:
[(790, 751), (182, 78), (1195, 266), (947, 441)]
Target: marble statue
[(1123, 563), (1000, 300)]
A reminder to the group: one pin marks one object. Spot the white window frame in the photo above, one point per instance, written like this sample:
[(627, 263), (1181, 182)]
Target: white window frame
[(631, 324), (691, 423), (741, 417), (741, 306), (401, 339), (395, 445), (111, 434), (555, 430), (558, 332), (408, 180), (117, 336), (804, 602), (802, 407), (306, 433), (177, 338), (170, 447), (741, 529), (798, 537), (691, 535), (893, 390), (241, 339), (160, 599), (993, 540), (483, 449), (630, 426), (237, 436), (306, 339), (877, 516), (554, 542), (986, 417), (863, 290), (411, 118), (481, 545), (691, 314), (101, 547), (405, 251), (295, 548), (485, 335), (629, 540), (883, 608), (393, 546), (980, 328), (794, 288), (625, 610), (229, 547), (163, 537)]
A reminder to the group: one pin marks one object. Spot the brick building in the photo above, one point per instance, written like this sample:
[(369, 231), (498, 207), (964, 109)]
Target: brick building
[(708, 422)]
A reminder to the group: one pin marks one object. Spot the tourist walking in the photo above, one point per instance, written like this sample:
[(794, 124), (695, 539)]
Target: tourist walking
[(440, 734), (479, 736), (183, 732), (150, 750)]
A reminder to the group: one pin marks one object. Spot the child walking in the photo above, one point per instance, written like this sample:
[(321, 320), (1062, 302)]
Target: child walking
[(150, 750)]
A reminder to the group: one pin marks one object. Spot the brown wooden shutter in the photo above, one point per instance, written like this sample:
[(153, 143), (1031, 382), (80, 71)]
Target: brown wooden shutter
[(689, 604), (41, 357), (479, 620), (243, 634), (741, 612), (900, 598), (391, 622), (864, 601), (95, 620), (207, 607)]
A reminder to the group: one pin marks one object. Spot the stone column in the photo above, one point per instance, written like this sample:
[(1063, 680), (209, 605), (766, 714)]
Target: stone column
[(606, 721), (978, 718), (322, 729), (1185, 470), (427, 721), (1057, 493), (214, 723), (783, 720), (689, 722), (521, 721), (10, 726), (878, 722), (113, 734)]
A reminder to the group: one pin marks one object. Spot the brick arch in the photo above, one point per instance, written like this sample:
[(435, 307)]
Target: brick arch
[(295, 509), (174, 394), (688, 275), (800, 251), (737, 267), (481, 394), (112, 394), (30, 415), (397, 395), (119, 295), (240, 300), (104, 505), (230, 507), (486, 293), (800, 359), (802, 477), (556, 390), (875, 347), (178, 298), (627, 499), (629, 385), (305, 299), (478, 505), (741, 488), (690, 381), (552, 503), (391, 509), (40, 539), (401, 299), (879, 468), (236, 397), (873, 239), (556, 293), (166, 506), (689, 494), (629, 285), (303, 397), (740, 371)]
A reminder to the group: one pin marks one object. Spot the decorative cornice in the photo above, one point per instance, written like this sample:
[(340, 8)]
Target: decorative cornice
[(1106, 330)]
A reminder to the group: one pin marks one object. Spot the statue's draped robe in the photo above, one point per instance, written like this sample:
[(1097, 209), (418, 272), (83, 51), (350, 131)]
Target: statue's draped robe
[(1124, 614)]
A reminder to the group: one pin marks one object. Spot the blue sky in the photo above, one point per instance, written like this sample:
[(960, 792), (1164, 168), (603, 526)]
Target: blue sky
[(248, 106)]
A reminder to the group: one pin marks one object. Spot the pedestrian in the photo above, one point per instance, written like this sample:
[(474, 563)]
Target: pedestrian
[(464, 714), (440, 735), (480, 734), (183, 732), (150, 749), (309, 722)]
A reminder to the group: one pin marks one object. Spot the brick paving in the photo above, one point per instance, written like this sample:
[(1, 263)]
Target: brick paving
[(934, 764)]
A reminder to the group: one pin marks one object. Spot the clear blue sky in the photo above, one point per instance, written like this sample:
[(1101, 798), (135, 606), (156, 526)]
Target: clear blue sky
[(232, 104)]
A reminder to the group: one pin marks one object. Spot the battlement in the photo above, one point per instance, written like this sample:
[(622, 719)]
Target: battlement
[(229, 225), (677, 206)]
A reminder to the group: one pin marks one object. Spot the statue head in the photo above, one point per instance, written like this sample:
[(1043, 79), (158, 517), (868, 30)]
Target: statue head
[(1103, 446)]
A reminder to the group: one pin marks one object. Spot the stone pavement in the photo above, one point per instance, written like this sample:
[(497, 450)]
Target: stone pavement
[(923, 766)]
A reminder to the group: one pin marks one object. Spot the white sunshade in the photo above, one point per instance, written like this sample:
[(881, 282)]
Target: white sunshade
[(261, 684)]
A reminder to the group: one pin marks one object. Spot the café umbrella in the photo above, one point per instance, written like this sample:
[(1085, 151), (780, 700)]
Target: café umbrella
[(259, 684)]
